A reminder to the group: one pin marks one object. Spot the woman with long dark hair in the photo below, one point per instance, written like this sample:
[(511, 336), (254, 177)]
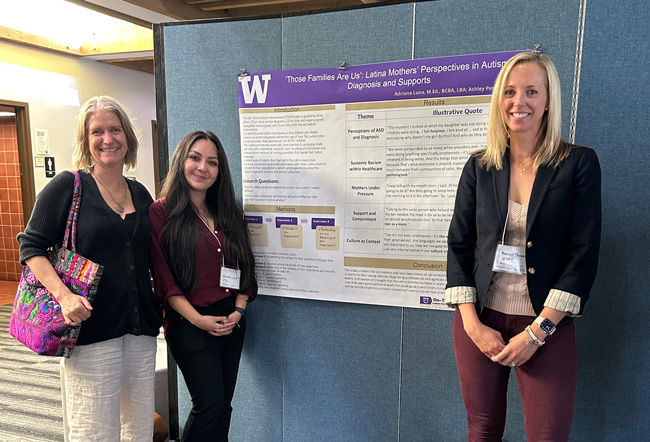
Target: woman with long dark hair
[(523, 253), (204, 275)]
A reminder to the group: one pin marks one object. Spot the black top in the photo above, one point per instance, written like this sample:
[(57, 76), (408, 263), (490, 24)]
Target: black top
[(562, 228), (125, 303)]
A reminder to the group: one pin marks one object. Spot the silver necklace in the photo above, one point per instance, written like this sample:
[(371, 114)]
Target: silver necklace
[(120, 208)]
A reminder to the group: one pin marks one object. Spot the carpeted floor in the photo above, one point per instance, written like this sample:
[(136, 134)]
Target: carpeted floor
[(30, 393)]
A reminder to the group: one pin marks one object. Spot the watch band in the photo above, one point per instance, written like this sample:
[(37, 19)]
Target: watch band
[(545, 324), (242, 311)]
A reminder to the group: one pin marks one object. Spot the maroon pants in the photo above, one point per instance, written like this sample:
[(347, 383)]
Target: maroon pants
[(547, 381)]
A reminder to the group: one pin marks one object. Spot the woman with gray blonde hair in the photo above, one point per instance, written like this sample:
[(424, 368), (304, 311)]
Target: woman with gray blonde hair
[(522, 258), (108, 382)]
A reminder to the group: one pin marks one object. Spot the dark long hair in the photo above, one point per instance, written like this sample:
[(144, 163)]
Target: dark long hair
[(181, 231)]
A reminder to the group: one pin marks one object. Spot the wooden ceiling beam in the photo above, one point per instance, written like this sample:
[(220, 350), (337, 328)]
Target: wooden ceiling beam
[(288, 8), (206, 9), (194, 2), (117, 47), (144, 64), (127, 42), (233, 4), (36, 41), (173, 8)]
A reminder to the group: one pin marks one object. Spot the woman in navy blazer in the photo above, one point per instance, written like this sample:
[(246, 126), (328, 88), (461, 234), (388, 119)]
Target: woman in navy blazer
[(523, 253)]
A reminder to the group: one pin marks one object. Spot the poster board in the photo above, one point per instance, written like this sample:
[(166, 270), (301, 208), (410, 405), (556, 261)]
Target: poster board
[(349, 174)]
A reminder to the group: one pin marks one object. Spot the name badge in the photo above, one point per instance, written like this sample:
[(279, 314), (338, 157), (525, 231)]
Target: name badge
[(230, 278), (510, 259)]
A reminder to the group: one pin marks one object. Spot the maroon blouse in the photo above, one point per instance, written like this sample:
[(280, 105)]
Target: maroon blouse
[(209, 259)]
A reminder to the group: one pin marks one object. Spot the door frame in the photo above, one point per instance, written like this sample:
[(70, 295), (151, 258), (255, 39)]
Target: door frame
[(25, 159)]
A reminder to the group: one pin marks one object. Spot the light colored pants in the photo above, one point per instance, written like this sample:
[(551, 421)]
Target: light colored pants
[(108, 390)]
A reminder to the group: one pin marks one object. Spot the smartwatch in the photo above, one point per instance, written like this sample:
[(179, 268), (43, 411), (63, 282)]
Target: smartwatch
[(242, 311), (546, 325)]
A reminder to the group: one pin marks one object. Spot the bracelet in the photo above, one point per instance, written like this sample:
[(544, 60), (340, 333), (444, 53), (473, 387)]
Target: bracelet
[(533, 339), (242, 311)]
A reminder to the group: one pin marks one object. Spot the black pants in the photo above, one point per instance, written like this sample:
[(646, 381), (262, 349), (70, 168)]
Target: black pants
[(209, 365)]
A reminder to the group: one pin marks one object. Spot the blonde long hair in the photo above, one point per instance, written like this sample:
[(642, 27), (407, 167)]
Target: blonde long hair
[(81, 157), (551, 149)]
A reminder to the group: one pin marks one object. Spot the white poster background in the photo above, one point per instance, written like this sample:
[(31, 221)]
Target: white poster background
[(352, 201)]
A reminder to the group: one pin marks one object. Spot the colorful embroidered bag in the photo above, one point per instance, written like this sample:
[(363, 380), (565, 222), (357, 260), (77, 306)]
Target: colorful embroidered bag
[(37, 320)]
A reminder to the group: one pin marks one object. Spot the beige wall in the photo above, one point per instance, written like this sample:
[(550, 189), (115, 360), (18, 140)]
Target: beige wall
[(55, 85)]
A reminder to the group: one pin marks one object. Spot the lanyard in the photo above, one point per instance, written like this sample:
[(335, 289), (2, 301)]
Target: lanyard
[(223, 259), (509, 259), (503, 237)]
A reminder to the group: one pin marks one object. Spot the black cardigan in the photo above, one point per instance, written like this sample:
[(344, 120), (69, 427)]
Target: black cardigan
[(124, 303), (562, 228)]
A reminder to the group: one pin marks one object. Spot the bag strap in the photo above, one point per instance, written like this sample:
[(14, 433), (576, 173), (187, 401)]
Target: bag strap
[(71, 224)]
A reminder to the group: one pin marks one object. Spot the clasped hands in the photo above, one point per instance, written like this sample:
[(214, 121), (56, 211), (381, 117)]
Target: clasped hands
[(219, 325), (516, 352)]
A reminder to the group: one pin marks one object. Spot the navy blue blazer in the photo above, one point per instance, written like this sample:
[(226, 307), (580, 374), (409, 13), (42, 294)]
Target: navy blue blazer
[(562, 228)]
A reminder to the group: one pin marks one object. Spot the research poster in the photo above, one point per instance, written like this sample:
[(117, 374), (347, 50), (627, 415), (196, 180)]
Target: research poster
[(350, 174)]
